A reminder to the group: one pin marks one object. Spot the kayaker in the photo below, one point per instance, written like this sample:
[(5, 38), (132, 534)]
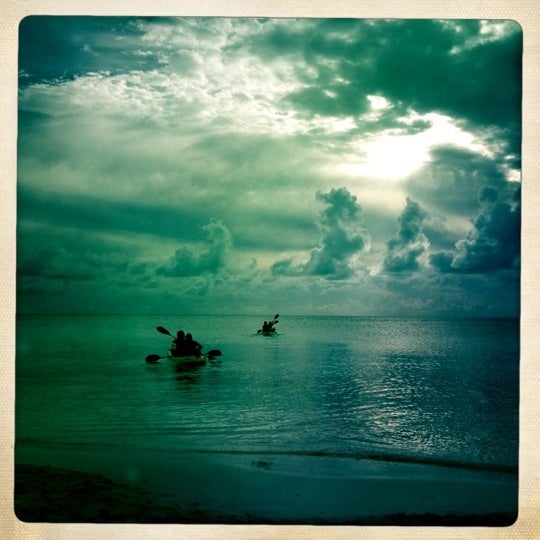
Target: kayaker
[(268, 327), (192, 347), (179, 344)]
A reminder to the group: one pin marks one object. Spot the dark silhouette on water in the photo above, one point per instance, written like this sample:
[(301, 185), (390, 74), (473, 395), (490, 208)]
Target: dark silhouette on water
[(268, 326), (179, 344), (191, 347), (185, 345)]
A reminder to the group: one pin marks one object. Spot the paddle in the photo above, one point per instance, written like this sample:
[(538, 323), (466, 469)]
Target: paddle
[(154, 358), (162, 330)]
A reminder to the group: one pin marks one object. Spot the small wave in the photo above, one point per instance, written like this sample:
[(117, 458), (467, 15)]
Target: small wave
[(420, 460), (433, 461), (388, 458)]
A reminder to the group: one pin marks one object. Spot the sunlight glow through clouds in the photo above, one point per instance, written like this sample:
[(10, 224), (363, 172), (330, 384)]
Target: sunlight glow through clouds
[(393, 156), (378, 102)]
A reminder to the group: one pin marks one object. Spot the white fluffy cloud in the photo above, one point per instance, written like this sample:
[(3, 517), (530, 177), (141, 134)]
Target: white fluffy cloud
[(211, 258), (341, 238), (409, 243)]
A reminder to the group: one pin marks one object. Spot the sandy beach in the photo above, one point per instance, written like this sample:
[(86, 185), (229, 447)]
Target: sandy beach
[(255, 489)]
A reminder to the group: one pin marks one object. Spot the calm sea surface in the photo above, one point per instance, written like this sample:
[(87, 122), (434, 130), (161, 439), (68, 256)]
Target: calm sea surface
[(441, 391)]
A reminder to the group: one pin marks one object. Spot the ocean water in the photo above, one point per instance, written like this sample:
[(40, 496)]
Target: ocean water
[(436, 391)]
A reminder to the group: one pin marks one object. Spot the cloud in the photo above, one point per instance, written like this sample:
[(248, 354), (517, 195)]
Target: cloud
[(134, 133), (61, 48), (450, 182), (409, 243), (341, 237), (493, 243), (415, 64), (189, 261), (58, 264)]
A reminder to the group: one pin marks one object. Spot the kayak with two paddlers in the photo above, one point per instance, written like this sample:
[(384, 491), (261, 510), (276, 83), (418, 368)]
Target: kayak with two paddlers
[(182, 353)]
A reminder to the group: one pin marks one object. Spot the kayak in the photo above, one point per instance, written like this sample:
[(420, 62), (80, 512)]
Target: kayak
[(187, 361), (271, 333)]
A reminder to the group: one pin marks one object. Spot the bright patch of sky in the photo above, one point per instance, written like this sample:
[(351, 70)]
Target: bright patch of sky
[(393, 155)]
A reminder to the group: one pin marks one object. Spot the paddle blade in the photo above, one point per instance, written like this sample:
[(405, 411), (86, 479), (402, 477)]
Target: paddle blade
[(152, 358), (276, 316), (162, 330), (213, 353)]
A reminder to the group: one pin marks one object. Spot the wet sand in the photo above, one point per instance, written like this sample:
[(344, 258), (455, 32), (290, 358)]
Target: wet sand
[(256, 489), (52, 495)]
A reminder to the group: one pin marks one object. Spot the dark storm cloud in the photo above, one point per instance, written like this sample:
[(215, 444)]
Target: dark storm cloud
[(57, 264), (341, 238), (46, 254), (54, 48), (409, 243), (190, 261), (51, 264), (493, 243), (419, 64), (101, 215), (453, 178)]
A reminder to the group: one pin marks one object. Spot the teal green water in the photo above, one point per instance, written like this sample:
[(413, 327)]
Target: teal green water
[(438, 391)]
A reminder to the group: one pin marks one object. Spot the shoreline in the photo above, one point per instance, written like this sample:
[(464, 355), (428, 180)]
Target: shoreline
[(142, 486), (45, 494)]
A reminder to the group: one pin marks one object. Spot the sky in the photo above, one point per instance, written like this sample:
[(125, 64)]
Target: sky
[(215, 165)]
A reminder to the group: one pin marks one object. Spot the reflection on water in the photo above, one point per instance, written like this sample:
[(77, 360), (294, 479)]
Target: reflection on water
[(444, 390), (186, 375)]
